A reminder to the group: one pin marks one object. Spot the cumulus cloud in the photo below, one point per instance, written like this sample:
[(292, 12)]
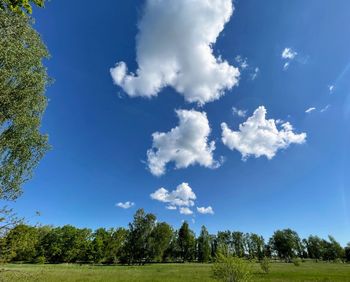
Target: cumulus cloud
[(186, 210), (238, 112), (185, 145), (259, 136), (288, 53), (309, 110), (175, 48), (182, 197), (205, 210), (126, 205)]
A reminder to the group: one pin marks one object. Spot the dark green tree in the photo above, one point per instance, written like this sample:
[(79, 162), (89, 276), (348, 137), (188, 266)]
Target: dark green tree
[(159, 240), (347, 252), (23, 80), (186, 243), (139, 241), (204, 250)]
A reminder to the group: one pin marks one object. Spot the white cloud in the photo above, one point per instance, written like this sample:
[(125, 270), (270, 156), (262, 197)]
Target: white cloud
[(309, 110), (289, 53), (325, 108), (174, 48), (238, 112), (186, 211), (254, 75), (286, 66), (205, 210), (125, 205), (258, 136), (243, 62), (331, 88), (185, 145), (182, 196)]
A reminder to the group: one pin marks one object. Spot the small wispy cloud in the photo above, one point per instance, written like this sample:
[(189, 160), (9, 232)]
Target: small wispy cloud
[(126, 205), (288, 54), (325, 108), (239, 112), (243, 62), (205, 210), (331, 88), (309, 110), (254, 75)]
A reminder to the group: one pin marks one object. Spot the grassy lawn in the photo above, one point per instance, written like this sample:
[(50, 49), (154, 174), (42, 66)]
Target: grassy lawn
[(168, 272)]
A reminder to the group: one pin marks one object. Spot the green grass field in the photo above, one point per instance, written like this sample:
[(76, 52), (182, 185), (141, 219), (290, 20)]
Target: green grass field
[(168, 272)]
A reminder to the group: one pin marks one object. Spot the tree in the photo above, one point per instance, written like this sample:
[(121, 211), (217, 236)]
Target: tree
[(332, 250), (347, 252), (286, 243), (314, 247), (99, 244), (138, 245), (115, 245), (254, 245), (8, 220), (21, 243), (204, 245), (23, 80), (186, 243), (238, 243), (20, 7), (160, 240)]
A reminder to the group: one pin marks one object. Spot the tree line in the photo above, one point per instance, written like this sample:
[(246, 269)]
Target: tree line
[(146, 240)]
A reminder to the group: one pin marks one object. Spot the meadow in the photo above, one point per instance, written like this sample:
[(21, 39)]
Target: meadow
[(308, 271)]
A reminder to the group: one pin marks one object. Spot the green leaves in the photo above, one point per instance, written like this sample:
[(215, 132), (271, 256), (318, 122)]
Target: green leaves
[(23, 80), (20, 7)]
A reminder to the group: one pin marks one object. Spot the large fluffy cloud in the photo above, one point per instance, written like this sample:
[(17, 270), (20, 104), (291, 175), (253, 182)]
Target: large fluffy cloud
[(186, 144), (174, 48), (259, 136)]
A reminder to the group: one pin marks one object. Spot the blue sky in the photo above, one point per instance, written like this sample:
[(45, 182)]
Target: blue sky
[(100, 135)]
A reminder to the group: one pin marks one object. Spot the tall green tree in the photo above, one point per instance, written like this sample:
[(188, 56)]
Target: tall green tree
[(186, 243), (204, 250), (286, 243), (159, 241), (23, 79), (139, 238), (238, 243), (20, 7)]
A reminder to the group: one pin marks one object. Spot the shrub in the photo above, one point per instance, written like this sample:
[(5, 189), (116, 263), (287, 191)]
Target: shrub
[(265, 265), (231, 269), (40, 260), (296, 261)]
